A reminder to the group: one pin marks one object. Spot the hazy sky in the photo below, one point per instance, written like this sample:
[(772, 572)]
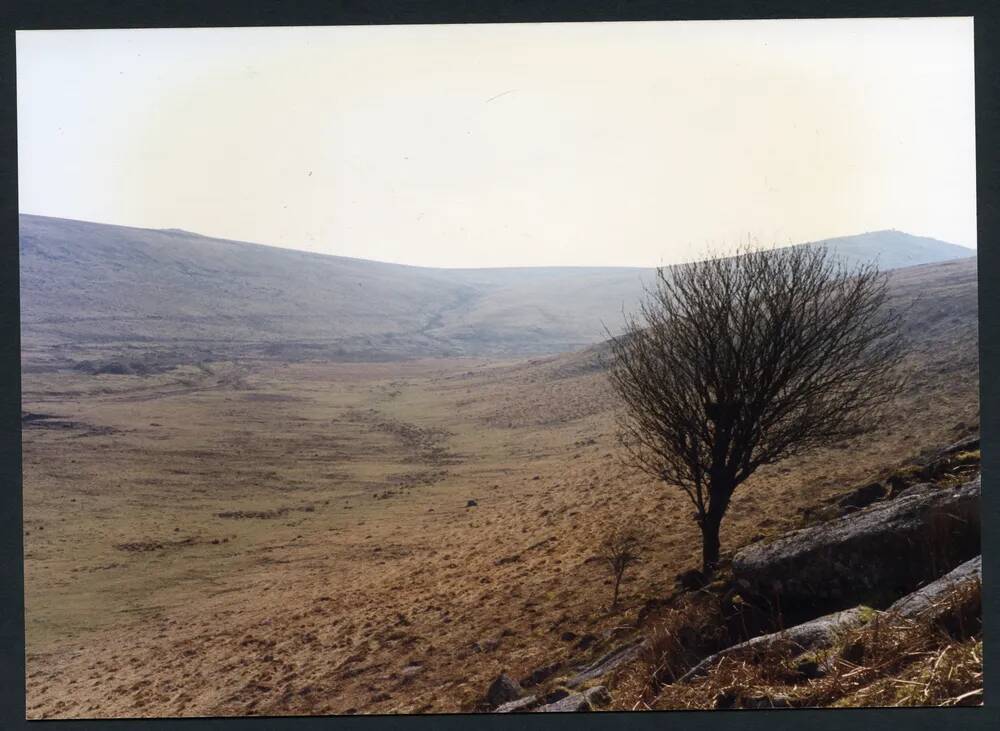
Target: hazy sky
[(495, 145)]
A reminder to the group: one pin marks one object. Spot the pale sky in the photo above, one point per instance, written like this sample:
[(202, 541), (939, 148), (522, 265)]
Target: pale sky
[(497, 145)]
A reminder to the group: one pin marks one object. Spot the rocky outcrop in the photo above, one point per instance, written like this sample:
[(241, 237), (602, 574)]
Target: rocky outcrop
[(816, 634), (851, 501), (605, 664), (507, 696), (503, 690), (520, 705), (868, 556), (969, 444), (560, 701), (588, 700), (540, 675), (957, 455), (930, 601), (934, 601), (861, 497)]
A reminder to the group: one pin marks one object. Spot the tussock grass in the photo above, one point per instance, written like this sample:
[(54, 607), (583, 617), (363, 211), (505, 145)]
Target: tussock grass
[(682, 637)]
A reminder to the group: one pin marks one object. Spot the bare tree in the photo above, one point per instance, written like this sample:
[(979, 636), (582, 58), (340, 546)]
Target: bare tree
[(736, 362), (620, 549)]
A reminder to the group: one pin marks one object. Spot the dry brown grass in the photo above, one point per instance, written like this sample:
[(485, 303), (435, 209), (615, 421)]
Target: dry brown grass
[(352, 557), (683, 636), (300, 613), (933, 660)]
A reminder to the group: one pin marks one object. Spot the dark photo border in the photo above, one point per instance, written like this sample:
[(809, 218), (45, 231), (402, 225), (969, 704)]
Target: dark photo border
[(56, 14)]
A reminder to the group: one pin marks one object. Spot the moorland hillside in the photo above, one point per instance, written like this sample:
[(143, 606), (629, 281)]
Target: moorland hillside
[(160, 297)]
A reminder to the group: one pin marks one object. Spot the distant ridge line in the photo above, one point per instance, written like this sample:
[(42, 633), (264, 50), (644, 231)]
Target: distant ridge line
[(173, 231)]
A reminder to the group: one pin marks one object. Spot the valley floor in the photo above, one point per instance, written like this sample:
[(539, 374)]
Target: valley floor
[(273, 538)]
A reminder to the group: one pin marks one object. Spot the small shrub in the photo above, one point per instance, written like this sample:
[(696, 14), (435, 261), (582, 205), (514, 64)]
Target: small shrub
[(622, 546)]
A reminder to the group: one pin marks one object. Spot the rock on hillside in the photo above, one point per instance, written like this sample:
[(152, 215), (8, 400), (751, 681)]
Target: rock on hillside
[(588, 700), (926, 602), (942, 599), (605, 664), (816, 633), (503, 690), (879, 552)]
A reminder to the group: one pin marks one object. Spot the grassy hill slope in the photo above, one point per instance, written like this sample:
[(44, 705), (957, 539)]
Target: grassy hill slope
[(109, 288)]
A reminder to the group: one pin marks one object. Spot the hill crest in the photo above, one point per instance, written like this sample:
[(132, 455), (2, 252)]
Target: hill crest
[(101, 284)]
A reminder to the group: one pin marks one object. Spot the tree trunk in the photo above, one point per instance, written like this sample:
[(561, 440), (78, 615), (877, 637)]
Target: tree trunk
[(720, 492), (618, 581), (710, 544)]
